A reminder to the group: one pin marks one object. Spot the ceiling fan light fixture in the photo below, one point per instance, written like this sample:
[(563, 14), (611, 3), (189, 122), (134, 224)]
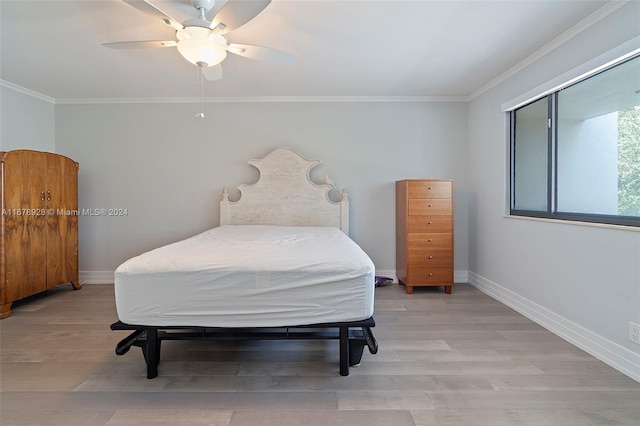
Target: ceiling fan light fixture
[(203, 42), (199, 46), (199, 51)]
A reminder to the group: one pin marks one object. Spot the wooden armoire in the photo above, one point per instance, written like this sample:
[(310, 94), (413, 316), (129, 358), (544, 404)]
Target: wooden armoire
[(39, 224), (424, 233)]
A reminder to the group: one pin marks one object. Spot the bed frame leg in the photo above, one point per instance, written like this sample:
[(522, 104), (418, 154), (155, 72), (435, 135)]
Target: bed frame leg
[(153, 353), (356, 347), (344, 351), (370, 340), (357, 344), (125, 344)]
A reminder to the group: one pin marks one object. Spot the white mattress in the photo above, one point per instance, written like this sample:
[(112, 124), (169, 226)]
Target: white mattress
[(248, 276)]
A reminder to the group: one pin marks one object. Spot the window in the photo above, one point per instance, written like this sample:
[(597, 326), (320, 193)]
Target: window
[(575, 153)]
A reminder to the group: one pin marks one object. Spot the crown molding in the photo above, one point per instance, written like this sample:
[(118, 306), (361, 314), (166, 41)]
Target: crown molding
[(587, 22), (590, 20), (25, 91), (583, 71), (263, 99), (230, 99)]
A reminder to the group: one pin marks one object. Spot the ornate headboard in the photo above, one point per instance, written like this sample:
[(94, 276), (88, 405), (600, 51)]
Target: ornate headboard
[(285, 195)]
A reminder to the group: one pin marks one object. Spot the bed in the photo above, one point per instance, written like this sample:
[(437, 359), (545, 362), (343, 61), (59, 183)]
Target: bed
[(279, 266)]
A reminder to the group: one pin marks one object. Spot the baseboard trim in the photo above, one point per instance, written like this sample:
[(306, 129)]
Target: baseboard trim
[(460, 276), (611, 353), (96, 277)]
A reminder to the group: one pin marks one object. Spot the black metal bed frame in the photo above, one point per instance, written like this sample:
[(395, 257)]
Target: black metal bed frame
[(353, 336)]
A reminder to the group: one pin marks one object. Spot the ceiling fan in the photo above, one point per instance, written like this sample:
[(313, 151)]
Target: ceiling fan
[(204, 43)]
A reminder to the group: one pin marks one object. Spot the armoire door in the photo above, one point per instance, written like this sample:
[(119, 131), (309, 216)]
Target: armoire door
[(62, 220), (25, 224)]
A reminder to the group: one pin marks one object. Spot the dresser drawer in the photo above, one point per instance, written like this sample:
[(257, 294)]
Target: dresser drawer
[(432, 189), (436, 223), (427, 241), (428, 207), (430, 259), (426, 275)]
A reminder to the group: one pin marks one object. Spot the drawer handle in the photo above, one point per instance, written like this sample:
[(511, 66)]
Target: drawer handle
[(429, 188), (430, 274), (430, 223), (430, 257), (429, 240), (430, 205)]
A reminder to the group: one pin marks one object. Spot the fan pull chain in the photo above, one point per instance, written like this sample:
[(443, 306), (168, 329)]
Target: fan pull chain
[(200, 89)]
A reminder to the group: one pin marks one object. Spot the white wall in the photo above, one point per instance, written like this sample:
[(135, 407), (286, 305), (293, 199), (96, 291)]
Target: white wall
[(582, 282), (168, 168), (26, 122)]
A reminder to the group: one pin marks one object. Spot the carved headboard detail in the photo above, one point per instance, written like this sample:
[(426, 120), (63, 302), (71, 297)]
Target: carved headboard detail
[(285, 195)]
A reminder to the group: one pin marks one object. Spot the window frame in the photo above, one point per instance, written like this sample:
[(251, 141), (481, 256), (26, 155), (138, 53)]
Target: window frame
[(551, 211)]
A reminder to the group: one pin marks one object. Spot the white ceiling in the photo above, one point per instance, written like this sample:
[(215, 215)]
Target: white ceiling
[(346, 48)]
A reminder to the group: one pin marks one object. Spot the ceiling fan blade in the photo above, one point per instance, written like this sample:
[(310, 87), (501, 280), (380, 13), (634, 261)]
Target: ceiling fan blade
[(212, 73), (149, 9), (261, 53), (236, 13), (140, 44)]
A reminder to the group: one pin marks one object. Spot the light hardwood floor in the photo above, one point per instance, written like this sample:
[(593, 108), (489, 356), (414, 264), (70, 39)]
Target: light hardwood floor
[(459, 359)]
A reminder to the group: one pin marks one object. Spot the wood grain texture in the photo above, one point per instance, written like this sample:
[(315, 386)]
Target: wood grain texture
[(39, 238), (424, 233), (433, 189), (459, 359), (62, 221), (25, 232)]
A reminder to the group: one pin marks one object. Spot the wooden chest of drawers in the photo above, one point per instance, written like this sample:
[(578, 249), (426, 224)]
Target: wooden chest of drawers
[(424, 233)]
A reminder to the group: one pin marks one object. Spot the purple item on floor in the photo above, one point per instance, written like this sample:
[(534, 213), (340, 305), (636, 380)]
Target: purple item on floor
[(380, 281)]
